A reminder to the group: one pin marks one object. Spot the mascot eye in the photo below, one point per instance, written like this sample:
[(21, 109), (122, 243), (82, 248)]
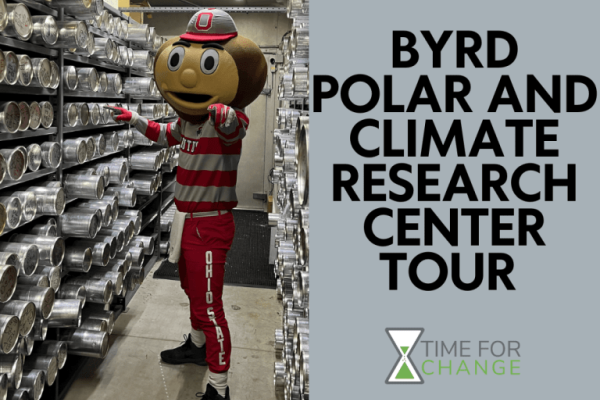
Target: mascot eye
[(209, 61), (175, 58)]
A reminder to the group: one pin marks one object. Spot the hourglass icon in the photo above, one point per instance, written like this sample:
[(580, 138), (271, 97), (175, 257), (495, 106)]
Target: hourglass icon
[(404, 340)]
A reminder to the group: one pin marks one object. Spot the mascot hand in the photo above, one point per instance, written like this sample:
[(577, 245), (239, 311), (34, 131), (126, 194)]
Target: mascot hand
[(223, 117), (122, 114)]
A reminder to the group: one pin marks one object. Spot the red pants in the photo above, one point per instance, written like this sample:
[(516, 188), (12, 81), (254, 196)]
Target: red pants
[(204, 245)]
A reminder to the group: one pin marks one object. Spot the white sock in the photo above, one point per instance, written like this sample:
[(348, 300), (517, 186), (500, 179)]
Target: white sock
[(219, 382), (198, 337)]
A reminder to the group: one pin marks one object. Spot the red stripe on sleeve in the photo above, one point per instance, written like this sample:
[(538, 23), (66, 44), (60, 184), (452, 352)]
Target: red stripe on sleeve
[(243, 117), (206, 178), (153, 131), (170, 139)]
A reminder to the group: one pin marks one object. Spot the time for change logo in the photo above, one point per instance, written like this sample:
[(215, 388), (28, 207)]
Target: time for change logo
[(456, 358), (405, 340)]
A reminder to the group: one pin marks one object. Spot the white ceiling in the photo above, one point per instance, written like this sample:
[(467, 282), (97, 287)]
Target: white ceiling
[(217, 3)]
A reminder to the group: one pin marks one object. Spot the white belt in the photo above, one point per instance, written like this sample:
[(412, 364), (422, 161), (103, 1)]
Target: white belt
[(206, 214)]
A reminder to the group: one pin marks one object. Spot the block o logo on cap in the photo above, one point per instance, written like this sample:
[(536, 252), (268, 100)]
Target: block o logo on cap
[(204, 21)]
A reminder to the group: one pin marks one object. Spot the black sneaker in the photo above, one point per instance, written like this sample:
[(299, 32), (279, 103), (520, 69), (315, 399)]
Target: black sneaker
[(212, 394), (186, 353)]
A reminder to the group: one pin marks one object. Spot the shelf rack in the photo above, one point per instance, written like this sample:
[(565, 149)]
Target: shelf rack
[(153, 205)]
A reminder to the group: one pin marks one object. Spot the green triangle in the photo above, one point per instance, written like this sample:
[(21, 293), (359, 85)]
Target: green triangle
[(404, 349), (404, 373)]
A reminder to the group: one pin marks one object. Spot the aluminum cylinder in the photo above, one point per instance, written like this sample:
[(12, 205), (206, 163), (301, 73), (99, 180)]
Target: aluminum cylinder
[(88, 79), (66, 313), (127, 226), (135, 219), (83, 114), (40, 330), (96, 311), (28, 205), (80, 224), (125, 138), (127, 196), (14, 210), (71, 118), (33, 383), (12, 366), (96, 291), (71, 291), (145, 161), (88, 343), (115, 85), (8, 282), (24, 311), (53, 274), (146, 241), (27, 254), (16, 163), (8, 258), (35, 116), (105, 210), (19, 22), (112, 141), (43, 298), (94, 114), (100, 251), (51, 154), (71, 34), (84, 186), (50, 200), (25, 70), (12, 68), (10, 117), (103, 275), (139, 33), (55, 75), (42, 72), (109, 204), (137, 255), (45, 30), (115, 239), (43, 229), (164, 247), (118, 172), (51, 249), (74, 150), (47, 114), (138, 86), (97, 325), (34, 280), (44, 362), (99, 139), (70, 77), (34, 157), (2, 56)]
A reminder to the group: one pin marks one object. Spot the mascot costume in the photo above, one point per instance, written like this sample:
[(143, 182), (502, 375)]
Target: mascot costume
[(208, 75)]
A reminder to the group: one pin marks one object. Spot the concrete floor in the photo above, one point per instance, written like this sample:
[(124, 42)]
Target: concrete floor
[(156, 320)]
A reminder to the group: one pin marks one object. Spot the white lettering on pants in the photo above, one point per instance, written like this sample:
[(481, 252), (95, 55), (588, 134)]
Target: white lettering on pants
[(209, 310)]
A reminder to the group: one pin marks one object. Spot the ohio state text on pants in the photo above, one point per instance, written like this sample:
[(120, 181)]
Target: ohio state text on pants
[(204, 245)]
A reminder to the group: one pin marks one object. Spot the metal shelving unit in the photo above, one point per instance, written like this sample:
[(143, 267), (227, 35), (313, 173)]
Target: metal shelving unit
[(152, 204)]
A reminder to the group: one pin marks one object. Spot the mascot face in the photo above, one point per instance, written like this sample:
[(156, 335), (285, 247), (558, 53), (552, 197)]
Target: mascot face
[(201, 68)]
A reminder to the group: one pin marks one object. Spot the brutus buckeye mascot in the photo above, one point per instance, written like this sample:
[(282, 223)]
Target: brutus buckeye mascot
[(208, 75)]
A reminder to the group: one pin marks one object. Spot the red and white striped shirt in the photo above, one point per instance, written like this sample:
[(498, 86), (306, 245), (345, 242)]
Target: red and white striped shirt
[(208, 160)]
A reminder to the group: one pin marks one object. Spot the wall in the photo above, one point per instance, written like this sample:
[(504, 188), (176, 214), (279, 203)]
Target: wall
[(257, 155)]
